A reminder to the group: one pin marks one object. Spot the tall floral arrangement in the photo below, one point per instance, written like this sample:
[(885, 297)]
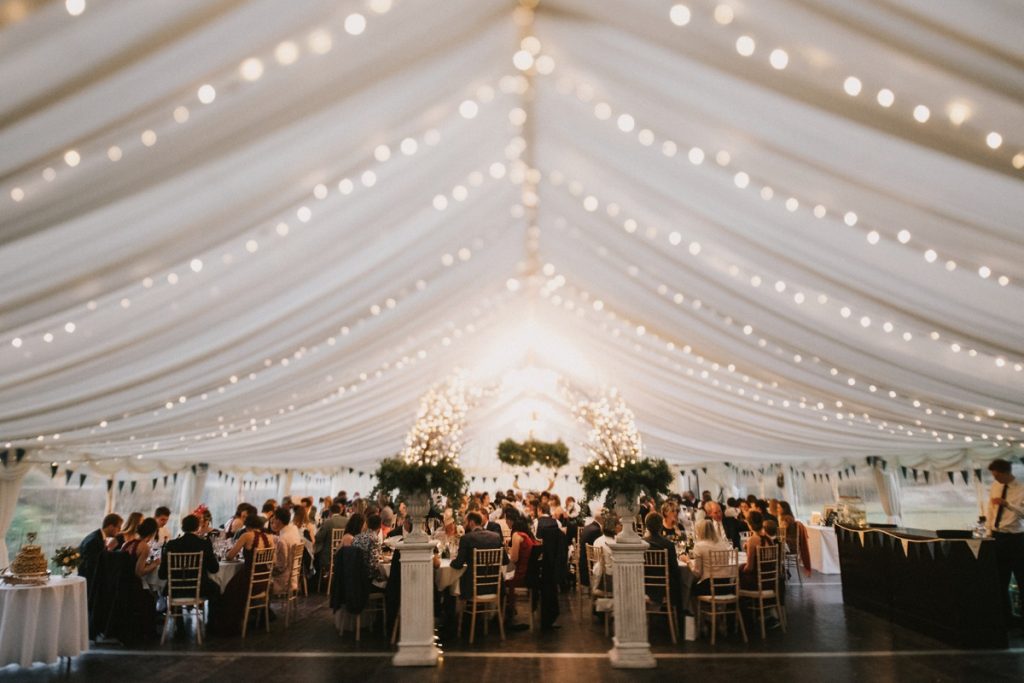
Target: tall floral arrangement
[(617, 466), (430, 460)]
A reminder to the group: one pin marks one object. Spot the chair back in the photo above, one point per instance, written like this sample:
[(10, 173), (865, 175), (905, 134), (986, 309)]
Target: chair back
[(487, 571), (336, 536), (184, 576), (656, 571), (295, 561), (724, 572), (744, 535), (592, 556), (262, 569), (768, 566)]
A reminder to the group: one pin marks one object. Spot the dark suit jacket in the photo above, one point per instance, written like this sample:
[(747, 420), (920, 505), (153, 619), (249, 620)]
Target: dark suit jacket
[(547, 523), (190, 543), (477, 539), (494, 527), (674, 576), (90, 549), (733, 527), (588, 536)]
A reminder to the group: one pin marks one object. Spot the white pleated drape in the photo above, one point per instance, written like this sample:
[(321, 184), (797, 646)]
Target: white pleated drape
[(888, 486), (11, 477)]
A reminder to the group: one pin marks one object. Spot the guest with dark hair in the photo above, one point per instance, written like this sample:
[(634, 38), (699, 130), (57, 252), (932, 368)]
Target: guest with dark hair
[(679, 578), (1006, 522), (227, 613), (191, 542), (322, 545), (162, 515), (354, 527), (96, 543), (748, 572), (522, 545), (370, 543), (476, 537), (140, 547)]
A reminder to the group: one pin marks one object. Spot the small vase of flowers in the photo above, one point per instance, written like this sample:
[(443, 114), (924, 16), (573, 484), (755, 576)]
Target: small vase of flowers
[(66, 558)]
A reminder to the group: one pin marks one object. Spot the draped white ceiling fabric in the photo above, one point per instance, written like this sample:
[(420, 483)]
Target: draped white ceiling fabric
[(252, 234)]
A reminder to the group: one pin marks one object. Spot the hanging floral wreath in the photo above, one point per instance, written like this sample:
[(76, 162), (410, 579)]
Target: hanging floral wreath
[(553, 455)]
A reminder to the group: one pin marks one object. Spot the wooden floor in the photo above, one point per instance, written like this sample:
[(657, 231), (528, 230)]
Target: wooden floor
[(825, 642)]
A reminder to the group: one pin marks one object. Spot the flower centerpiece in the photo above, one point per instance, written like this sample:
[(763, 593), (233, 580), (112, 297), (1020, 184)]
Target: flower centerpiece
[(66, 558), (430, 460), (617, 468)]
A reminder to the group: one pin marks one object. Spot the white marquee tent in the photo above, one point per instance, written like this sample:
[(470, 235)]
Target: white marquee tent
[(252, 234)]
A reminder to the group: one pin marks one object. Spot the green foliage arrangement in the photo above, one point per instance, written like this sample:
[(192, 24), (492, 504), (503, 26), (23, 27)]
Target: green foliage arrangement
[(544, 453), (630, 479), (444, 477)]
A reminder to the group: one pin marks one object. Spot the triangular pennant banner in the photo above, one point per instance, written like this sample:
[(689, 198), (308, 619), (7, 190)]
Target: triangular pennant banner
[(952, 479), (19, 453), (860, 537), (67, 477), (155, 479), (53, 469), (3, 457), (81, 479), (165, 481), (904, 471), (120, 486), (175, 475), (931, 549), (964, 474), (975, 545), (131, 487), (906, 546), (927, 477), (110, 484)]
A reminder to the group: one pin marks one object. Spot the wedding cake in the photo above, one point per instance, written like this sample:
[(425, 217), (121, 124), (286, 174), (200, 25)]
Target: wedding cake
[(29, 562)]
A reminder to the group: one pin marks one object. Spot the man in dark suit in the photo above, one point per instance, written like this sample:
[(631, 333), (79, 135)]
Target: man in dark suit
[(728, 528), (475, 538), (95, 544), (679, 578), (545, 520), (188, 542)]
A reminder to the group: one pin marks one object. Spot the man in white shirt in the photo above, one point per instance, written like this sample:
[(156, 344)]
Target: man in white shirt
[(281, 524), (162, 515), (1006, 522)]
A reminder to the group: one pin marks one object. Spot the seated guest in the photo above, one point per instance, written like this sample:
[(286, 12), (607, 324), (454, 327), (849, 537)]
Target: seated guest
[(522, 544), (727, 528), (130, 531), (354, 527), (544, 519), (206, 528), (96, 543), (655, 536), (300, 518), (604, 565), (162, 515), (226, 614), (732, 508), (387, 520), (588, 536), (238, 521), (281, 524), (795, 535), (449, 532), (140, 548), (748, 572), (191, 542), (370, 543), (689, 500), (322, 546), (572, 508), (670, 518), (268, 511), (700, 557), (476, 538)]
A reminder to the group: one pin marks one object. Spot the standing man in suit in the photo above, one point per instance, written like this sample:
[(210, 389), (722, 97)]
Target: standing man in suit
[(95, 544), (545, 520), (475, 538), (189, 542)]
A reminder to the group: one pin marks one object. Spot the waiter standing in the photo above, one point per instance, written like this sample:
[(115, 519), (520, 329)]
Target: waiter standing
[(1007, 527)]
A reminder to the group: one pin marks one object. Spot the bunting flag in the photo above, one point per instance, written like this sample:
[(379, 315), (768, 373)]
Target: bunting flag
[(155, 479), (53, 469), (175, 478), (906, 546), (81, 479), (927, 477), (860, 537), (977, 474), (110, 485), (975, 545), (194, 470), (120, 486), (904, 470), (840, 475), (67, 477), (165, 481), (965, 475), (131, 486), (19, 453), (828, 477), (914, 470), (854, 468), (3, 457), (952, 478), (931, 549)]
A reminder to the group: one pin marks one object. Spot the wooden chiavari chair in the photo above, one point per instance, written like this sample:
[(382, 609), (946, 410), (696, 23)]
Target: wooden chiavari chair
[(259, 586), (767, 593), (724, 577), (184, 582), (656, 581), (488, 576)]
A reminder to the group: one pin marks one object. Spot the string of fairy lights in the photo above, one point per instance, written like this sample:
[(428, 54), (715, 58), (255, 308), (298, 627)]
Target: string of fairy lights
[(279, 227), (791, 203), (620, 325), (287, 53), (447, 260), (720, 259), (958, 110), (416, 349)]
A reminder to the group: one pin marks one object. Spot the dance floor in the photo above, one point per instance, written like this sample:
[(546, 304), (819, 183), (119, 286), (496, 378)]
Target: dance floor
[(824, 642)]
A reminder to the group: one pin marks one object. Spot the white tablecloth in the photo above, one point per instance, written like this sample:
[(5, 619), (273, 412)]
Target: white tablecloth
[(821, 541), (226, 571), (43, 623)]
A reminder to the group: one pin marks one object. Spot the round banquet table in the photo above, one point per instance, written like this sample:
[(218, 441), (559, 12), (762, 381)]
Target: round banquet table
[(226, 572), (43, 623)]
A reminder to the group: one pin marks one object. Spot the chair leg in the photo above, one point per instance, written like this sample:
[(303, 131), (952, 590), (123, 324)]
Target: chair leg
[(394, 630), (714, 622), (460, 606), (739, 620), (760, 607), (472, 624), (245, 620), (167, 619), (359, 626), (501, 624), (672, 624)]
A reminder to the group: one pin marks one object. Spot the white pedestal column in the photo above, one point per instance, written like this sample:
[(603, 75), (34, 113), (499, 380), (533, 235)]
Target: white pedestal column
[(631, 650), (416, 646)]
